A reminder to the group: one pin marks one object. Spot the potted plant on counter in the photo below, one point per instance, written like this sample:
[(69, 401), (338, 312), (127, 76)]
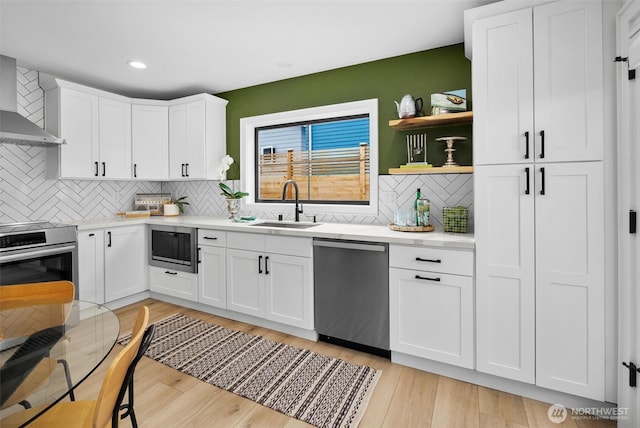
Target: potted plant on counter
[(233, 200), (176, 207)]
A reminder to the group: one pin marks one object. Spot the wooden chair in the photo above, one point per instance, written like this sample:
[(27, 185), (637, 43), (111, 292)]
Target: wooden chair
[(128, 384), (96, 413), (35, 312)]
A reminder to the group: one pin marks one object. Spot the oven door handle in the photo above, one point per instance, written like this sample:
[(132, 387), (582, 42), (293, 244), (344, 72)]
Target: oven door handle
[(38, 253)]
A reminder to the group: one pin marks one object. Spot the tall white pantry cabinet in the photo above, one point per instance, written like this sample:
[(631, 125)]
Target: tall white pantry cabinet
[(538, 89)]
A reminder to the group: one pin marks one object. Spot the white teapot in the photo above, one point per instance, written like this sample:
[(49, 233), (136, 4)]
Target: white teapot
[(408, 106)]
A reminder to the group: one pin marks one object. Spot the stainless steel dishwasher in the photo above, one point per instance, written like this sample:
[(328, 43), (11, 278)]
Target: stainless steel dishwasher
[(351, 283)]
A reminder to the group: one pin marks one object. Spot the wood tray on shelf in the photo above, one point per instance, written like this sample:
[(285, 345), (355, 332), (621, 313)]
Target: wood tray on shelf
[(410, 228)]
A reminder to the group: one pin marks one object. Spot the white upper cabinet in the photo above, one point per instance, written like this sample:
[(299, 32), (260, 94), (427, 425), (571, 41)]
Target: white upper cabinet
[(538, 84), (97, 128), (115, 138), (197, 136), (150, 141)]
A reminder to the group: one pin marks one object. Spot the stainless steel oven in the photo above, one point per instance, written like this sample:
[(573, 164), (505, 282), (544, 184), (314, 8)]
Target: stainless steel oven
[(173, 247), (38, 252)]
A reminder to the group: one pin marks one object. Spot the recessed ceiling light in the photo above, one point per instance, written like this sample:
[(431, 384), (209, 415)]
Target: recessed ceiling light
[(137, 64)]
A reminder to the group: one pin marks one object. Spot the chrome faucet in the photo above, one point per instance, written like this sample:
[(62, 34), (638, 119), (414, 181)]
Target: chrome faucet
[(298, 208)]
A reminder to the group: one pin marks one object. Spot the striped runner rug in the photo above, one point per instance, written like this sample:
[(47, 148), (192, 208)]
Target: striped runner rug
[(317, 389)]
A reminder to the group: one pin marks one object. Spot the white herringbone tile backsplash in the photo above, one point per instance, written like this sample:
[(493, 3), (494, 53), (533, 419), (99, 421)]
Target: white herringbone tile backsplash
[(26, 193)]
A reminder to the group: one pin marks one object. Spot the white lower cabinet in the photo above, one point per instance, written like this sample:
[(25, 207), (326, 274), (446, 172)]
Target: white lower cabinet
[(174, 283), (212, 287), (270, 277), (431, 310), (111, 263)]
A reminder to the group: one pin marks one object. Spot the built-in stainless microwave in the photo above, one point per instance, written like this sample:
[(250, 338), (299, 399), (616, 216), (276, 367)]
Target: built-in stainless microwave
[(173, 247)]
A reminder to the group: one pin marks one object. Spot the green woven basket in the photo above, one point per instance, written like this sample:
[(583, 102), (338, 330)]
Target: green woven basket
[(455, 219)]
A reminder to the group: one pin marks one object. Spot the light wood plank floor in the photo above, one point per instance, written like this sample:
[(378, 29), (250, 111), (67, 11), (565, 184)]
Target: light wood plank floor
[(404, 397)]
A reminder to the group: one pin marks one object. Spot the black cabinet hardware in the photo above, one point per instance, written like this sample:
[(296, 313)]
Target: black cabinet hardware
[(526, 147), (186, 169), (526, 190), (266, 265), (418, 259), (542, 181), (170, 273), (212, 238), (632, 221), (97, 172), (109, 240), (182, 169), (541, 144), (135, 170), (259, 264), (92, 234), (104, 169), (633, 372), (424, 278)]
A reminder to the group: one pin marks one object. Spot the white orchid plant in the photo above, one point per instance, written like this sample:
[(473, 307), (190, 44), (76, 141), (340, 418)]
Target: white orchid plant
[(227, 192), (224, 166)]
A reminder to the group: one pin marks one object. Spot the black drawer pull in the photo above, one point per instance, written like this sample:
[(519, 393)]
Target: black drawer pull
[(170, 273), (526, 153), (259, 264), (541, 144), (526, 191), (97, 170), (424, 278), (214, 238), (418, 259), (266, 265)]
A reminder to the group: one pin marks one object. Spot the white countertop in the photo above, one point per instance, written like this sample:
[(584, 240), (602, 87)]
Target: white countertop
[(360, 232)]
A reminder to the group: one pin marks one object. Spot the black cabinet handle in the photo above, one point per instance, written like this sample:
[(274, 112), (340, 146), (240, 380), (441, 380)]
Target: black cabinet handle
[(104, 169), (542, 181), (632, 221), (526, 190), (424, 278), (186, 169), (170, 273), (633, 369), (259, 264), (97, 171), (541, 144), (135, 170), (92, 234), (266, 265), (182, 170), (418, 259), (199, 252), (109, 239), (212, 238), (526, 147)]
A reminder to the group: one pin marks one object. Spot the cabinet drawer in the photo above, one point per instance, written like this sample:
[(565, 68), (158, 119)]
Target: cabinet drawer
[(214, 238), (174, 283), (458, 262)]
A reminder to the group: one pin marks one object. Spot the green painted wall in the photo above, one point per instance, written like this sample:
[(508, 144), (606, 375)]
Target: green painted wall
[(419, 74)]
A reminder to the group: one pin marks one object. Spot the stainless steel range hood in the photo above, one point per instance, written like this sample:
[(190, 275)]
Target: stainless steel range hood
[(15, 128)]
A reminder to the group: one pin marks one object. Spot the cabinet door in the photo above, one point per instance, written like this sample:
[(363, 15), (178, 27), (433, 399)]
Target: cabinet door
[(505, 287), (570, 279), (245, 282), (431, 315), (568, 70), (502, 75), (125, 262), (174, 283), (289, 290), (79, 127), (91, 266), (196, 133), (178, 153), (150, 142), (212, 276), (115, 139)]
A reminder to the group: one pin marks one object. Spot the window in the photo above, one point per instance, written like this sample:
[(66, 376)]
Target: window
[(329, 151)]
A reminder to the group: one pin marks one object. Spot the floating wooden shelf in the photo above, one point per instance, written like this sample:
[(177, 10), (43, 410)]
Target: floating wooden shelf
[(429, 121), (433, 170)]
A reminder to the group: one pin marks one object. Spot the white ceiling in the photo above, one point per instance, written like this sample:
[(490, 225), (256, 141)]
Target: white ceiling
[(217, 45)]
